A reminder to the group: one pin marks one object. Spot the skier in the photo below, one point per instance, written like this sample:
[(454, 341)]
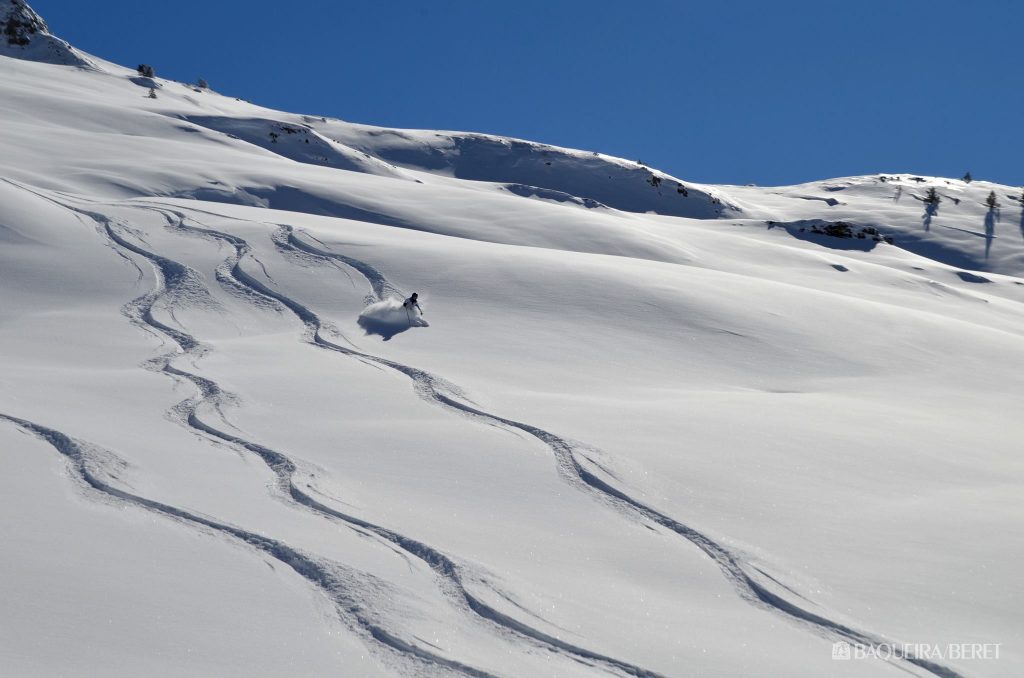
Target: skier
[(410, 304)]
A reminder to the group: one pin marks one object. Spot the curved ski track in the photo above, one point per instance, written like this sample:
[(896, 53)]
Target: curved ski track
[(325, 576), (434, 389), (170, 275), (565, 452), (285, 469)]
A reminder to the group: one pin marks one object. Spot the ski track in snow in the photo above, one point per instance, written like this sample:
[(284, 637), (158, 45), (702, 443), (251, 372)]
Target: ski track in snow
[(285, 470), (170, 274), (434, 389), (326, 576), (565, 452)]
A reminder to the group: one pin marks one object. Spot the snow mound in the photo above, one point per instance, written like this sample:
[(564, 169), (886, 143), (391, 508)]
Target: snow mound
[(959, 229), (626, 185), (388, 318), (299, 143)]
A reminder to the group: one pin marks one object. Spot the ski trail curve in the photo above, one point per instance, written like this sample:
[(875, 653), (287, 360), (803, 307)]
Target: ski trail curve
[(565, 452), (285, 469), (445, 394), (281, 465), (324, 575), (170, 276)]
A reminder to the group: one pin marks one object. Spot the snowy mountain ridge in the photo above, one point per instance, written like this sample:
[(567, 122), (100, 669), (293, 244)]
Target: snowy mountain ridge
[(26, 36), (645, 426)]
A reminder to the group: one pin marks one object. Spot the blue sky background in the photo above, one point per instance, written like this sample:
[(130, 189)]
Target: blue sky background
[(716, 91)]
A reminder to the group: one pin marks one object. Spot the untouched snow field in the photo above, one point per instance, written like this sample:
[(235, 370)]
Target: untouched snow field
[(645, 427)]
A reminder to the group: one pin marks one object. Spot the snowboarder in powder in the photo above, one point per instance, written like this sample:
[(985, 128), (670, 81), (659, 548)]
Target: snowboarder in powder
[(410, 304)]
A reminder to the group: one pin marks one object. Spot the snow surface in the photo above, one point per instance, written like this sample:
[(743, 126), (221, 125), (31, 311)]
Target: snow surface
[(652, 427)]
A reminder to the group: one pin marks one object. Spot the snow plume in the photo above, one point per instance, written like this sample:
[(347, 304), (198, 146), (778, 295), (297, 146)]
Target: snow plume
[(389, 317)]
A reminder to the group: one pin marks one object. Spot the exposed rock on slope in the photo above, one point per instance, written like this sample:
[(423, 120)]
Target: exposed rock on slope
[(26, 36)]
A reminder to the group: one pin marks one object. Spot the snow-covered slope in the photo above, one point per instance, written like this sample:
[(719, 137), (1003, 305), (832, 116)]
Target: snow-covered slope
[(645, 427)]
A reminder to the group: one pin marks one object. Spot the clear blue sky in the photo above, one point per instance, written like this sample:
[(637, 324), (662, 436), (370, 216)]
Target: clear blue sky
[(715, 91)]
